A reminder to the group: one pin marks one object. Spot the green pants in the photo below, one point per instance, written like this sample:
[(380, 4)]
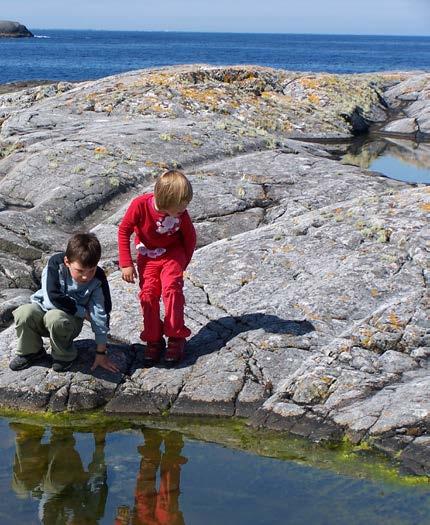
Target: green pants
[(32, 323)]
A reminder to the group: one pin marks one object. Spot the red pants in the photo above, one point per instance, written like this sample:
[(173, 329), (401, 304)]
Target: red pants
[(162, 277)]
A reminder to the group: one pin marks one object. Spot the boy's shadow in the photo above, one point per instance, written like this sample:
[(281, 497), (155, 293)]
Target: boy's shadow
[(216, 334)]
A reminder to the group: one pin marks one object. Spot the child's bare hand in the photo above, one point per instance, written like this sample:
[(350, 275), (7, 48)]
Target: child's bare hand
[(129, 274), (104, 362)]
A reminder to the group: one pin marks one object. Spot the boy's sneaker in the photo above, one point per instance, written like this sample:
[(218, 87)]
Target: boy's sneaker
[(175, 350), (21, 362), (62, 366), (153, 351)]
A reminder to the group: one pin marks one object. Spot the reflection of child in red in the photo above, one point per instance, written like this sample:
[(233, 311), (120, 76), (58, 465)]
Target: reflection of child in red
[(165, 241), (152, 507)]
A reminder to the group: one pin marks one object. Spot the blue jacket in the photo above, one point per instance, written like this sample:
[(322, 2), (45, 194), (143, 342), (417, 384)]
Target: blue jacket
[(60, 291)]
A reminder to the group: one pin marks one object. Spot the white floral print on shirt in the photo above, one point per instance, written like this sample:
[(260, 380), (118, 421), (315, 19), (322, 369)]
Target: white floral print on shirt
[(168, 224)]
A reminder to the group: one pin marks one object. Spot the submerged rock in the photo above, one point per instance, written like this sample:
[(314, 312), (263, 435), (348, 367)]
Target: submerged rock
[(308, 296)]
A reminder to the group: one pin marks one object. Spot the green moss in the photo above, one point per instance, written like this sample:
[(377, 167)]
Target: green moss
[(357, 461)]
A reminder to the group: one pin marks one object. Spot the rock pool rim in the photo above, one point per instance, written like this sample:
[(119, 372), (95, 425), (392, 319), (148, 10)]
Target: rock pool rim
[(342, 457)]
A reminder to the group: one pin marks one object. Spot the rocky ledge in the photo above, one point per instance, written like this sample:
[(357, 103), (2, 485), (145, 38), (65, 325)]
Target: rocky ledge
[(308, 295), (10, 29)]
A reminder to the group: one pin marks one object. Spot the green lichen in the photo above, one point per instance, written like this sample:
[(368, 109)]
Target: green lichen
[(114, 182)]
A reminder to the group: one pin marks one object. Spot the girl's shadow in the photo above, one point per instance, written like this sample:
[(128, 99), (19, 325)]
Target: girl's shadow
[(216, 334)]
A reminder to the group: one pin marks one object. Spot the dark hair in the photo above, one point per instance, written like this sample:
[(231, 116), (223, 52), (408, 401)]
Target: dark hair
[(84, 248)]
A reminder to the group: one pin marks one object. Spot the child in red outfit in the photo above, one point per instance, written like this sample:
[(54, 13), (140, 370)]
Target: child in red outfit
[(165, 240)]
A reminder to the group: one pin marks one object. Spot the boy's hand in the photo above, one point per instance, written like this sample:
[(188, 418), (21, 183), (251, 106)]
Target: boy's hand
[(104, 361), (128, 274)]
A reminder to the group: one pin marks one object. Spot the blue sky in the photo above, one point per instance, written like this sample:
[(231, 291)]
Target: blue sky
[(395, 17)]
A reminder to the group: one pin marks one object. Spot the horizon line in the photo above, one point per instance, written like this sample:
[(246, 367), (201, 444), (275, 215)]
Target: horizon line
[(221, 32)]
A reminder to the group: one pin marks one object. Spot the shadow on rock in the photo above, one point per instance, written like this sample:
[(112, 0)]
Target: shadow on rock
[(216, 334), (119, 354)]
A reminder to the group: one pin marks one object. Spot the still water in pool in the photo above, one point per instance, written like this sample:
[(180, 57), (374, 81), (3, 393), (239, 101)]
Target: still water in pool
[(141, 476), (399, 159)]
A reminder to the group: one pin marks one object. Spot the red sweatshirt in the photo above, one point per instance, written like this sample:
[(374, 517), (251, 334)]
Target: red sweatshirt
[(154, 230)]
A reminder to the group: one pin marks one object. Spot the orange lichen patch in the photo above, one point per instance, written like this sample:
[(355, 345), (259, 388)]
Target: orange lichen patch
[(209, 97), (394, 320), (287, 248), (100, 150), (91, 97), (156, 164), (276, 98), (233, 76), (314, 99), (251, 177), (156, 78), (366, 337), (329, 80), (425, 207), (374, 292), (309, 82)]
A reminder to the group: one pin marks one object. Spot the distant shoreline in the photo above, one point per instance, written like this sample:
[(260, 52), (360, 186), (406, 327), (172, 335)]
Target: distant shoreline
[(176, 31)]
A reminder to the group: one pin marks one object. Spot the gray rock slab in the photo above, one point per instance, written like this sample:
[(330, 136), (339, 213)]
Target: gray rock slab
[(308, 297), (40, 388), (10, 299), (402, 126)]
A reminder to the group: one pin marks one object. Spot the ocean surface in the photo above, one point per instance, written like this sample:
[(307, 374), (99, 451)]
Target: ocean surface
[(81, 55)]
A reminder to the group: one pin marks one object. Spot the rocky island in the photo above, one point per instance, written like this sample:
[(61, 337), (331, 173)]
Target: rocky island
[(10, 29), (308, 295)]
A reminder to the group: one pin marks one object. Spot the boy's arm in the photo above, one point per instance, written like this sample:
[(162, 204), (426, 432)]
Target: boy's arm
[(189, 237), (99, 319), (98, 316), (101, 276), (51, 289)]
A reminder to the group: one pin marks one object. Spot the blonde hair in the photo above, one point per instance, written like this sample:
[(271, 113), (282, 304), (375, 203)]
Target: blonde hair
[(172, 190)]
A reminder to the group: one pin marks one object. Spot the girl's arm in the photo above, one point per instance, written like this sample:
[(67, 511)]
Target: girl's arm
[(189, 237), (132, 217)]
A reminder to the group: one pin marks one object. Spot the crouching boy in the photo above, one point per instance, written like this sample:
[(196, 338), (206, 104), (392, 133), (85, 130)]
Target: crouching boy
[(74, 288)]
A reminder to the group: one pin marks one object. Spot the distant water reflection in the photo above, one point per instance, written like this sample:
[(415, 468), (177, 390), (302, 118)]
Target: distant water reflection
[(144, 476), (398, 159)]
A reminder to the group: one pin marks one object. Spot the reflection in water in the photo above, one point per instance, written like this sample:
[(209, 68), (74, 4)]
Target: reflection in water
[(408, 160), (54, 474), (49, 468), (152, 506), (144, 470)]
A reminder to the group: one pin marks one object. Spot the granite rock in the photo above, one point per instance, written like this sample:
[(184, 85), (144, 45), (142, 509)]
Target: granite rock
[(308, 296)]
